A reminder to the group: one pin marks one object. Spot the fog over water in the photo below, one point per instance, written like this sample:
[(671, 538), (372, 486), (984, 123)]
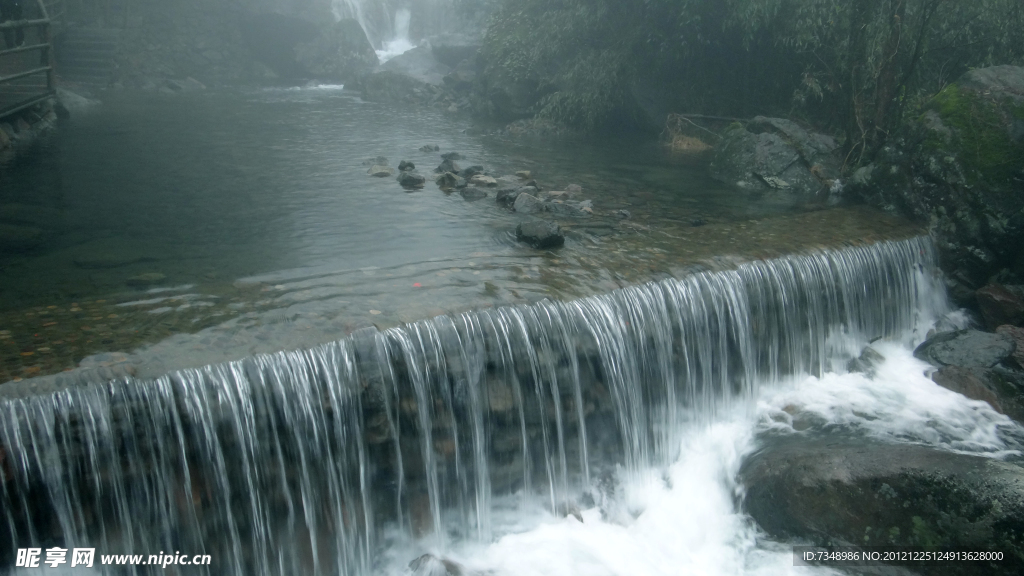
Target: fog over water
[(510, 287)]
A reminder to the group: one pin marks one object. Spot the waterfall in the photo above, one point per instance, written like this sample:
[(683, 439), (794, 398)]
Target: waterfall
[(307, 462), (385, 22)]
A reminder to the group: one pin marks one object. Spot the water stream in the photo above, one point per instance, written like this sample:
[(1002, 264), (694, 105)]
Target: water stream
[(385, 23), (483, 435)]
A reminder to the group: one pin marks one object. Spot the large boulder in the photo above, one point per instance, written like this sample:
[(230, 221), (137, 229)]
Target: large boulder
[(411, 179), (853, 492), (526, 203), (540, 234), (967, 348), (1002, 388), (775, 153), (340, 52), (959, 167), (1001, 305)]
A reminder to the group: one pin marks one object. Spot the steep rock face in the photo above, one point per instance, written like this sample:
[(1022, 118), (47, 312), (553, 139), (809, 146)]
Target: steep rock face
[(852, 492), (340, 52), (775, 153), (960, 167)]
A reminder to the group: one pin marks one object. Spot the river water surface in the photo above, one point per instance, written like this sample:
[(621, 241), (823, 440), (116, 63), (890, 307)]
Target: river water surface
[(254, 208)]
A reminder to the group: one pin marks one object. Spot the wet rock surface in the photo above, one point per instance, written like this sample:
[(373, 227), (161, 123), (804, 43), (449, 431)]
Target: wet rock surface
[(526, 203), (775, 153), (853, 492), (473, 193), (1000, 305), (430, 565), (540, 234), (966, 348), (1017, 334), (1002, 388), (411, 179), (378, 171)]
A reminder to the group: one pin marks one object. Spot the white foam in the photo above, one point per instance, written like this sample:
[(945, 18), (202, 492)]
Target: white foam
[(687, 524), (685, 520), (899, 403), (400, 43)]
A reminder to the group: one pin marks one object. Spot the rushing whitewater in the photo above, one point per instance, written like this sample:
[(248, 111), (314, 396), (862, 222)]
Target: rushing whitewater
[(485, 434), (385, 23)]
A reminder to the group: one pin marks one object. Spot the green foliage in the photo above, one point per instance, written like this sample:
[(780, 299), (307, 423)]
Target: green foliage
[(985, 148), (853, 66)]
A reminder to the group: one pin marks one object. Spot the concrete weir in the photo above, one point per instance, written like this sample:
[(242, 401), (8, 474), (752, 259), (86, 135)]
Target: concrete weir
[(306, 462)]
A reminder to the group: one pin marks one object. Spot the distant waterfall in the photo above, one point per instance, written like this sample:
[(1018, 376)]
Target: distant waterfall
[(306, 462), (385, 22)]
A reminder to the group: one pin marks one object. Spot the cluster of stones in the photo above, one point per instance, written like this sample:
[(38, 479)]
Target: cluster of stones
[(26, 126), (520, 194)]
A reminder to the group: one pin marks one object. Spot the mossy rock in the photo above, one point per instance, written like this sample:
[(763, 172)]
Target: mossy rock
[(984, 131), (959, 168)]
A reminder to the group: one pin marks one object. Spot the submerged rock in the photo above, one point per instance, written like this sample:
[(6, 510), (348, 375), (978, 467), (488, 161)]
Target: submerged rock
[(450, 180), (966, 348), (148, 279), (867, 361), (380, 171), (448, 165), (411, 179), (540, 234), (406, 165), (566, 209), (473, 194), (507, 196), (378, 161), (429, 148), (472, 171), (430, 565), (852, 492), (481, 180)]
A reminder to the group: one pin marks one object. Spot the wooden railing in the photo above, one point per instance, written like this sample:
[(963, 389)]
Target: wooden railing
[(24, 79)]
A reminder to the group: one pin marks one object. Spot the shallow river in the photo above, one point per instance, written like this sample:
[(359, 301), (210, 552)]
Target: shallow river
[(254, 212)]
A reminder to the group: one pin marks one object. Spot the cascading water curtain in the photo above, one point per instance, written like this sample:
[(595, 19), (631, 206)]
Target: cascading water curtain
[(306, 462)]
